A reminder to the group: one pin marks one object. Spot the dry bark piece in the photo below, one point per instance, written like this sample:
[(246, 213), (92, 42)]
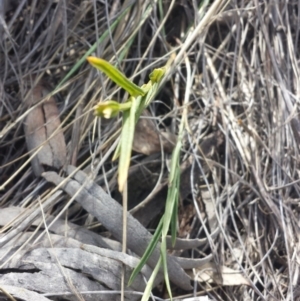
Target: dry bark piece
[(146, 138), (56, 258), (60, 227), (35, 275), (22, 293), (40, 129), (99, 265)]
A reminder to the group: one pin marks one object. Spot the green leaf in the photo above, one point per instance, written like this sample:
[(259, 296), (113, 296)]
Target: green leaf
[(126, 142), (175, 210), (174, 162), (149, 250), (117, 152), (165, 265), (116, 76), (151, 280)]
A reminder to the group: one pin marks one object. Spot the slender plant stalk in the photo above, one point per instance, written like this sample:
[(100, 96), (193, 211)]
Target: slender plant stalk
[(140, 98)]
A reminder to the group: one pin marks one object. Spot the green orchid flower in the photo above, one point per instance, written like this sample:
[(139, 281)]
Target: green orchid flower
[(110, 108)]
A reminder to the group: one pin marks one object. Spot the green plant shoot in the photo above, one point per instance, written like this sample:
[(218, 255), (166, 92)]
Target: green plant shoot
[(140, 98)]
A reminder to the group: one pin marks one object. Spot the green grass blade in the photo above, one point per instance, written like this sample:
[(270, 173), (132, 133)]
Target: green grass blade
[(172, 191), (168, 211), (150, 248), (116, 76), (175, 210), (174, 162), (171, 209), (165, 266), (117, 152), (127, 136), (151, 280)]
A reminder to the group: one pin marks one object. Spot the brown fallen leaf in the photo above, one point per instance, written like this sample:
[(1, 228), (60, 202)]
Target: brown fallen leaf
[(146, 138), (40, 124)]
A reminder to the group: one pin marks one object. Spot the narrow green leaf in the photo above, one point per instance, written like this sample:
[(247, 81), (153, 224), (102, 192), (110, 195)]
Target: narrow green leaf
[(127, 136), (117, 151), (149, 250), (125, 151), (116, 76), (151, 280), (174, 216), (165, 266), (168, 211), (174, 161)]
